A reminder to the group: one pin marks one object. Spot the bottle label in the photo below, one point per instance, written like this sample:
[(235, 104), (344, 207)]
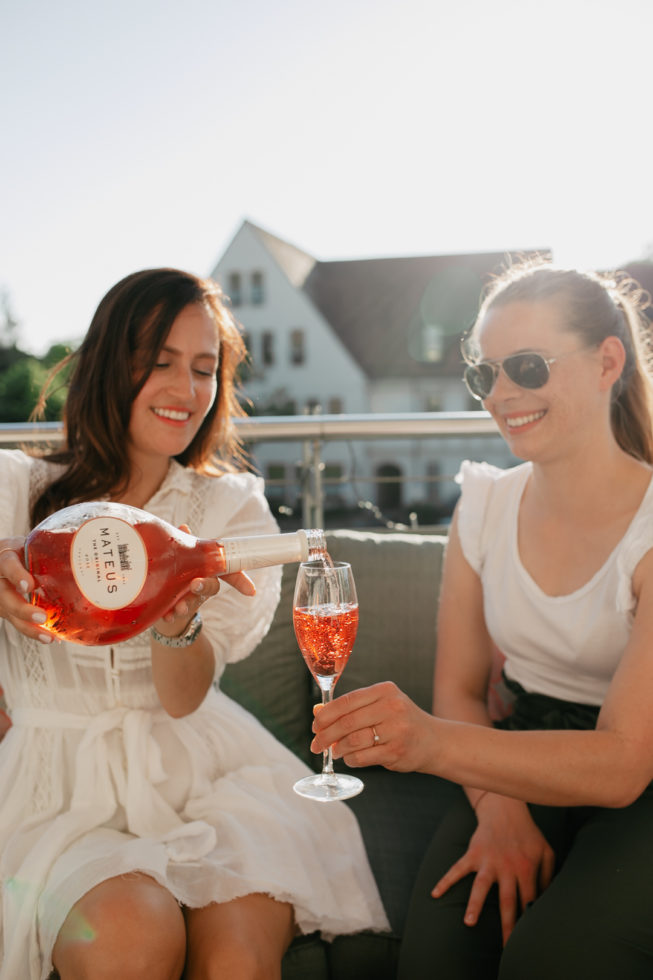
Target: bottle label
[(109, 562)]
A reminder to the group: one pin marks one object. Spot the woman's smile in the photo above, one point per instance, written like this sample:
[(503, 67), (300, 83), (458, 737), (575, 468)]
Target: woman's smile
[(172, 414), (514, 422)]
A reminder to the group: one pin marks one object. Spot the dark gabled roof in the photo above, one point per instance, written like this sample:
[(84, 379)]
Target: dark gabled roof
[(387, 311)]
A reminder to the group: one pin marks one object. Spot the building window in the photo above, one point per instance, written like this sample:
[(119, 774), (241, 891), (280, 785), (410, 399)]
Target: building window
[(434, 477), (333, 485), (433, 403), (234, 289), (335, 406), (388, 488), (297, 346), (267, 348), (432, 343), (333, 472), (276, 484), (275, 473), (257, 294)]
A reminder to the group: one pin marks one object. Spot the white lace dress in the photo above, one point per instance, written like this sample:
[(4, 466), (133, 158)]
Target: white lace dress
[(97, 780)]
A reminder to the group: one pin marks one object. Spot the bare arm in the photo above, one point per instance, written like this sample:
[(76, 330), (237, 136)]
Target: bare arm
[(609, 767), (182, 676), (464, 657), (507, 848)]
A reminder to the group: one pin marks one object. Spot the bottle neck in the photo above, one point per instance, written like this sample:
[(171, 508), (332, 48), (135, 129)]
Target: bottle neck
[(262, 550), (316, 543)]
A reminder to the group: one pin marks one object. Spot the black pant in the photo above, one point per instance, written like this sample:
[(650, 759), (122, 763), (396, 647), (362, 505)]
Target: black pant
[(593, 922)]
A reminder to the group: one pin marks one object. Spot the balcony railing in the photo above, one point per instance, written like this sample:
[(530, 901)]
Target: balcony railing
[(312, 432)]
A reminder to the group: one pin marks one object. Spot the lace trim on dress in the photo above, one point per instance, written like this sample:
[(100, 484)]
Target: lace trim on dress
[(38, 683), (197, 506)]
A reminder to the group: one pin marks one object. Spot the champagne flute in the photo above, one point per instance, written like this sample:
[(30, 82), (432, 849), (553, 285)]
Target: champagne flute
[(325, 617)]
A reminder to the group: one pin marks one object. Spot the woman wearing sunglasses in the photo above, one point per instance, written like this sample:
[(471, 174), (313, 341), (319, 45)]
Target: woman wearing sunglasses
[(544, 866)]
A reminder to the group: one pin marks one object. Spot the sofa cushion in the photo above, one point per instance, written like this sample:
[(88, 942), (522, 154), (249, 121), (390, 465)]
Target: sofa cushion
[(398, 584), (307, 957)]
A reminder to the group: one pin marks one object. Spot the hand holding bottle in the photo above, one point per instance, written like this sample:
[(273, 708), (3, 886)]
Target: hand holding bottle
[(200, 589), (15, 585)]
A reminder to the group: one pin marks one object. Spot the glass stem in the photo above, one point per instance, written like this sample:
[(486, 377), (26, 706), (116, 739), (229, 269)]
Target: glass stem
[(327, 755)]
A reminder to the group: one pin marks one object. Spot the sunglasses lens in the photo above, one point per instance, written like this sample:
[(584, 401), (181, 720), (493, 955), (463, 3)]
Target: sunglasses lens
[(527, 370), (479, 379)]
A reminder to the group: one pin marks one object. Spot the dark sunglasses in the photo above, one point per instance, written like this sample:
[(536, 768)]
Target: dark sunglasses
[(528, 370)]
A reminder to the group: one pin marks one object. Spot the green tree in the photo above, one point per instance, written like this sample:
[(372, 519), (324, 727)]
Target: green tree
[(9, 352), (22, 375), (20, 384)]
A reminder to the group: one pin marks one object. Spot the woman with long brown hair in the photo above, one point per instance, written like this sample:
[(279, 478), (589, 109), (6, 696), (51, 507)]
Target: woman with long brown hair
[(148, 826)]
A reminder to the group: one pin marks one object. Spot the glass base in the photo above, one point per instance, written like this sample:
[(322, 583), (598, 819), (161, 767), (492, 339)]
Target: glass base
[(324, 788)]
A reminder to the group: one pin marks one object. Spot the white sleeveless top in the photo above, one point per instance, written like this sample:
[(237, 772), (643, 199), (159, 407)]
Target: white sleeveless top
[(565, 646)]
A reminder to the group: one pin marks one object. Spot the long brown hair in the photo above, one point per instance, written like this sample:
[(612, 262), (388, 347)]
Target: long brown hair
[(111, 366), (595, 306)]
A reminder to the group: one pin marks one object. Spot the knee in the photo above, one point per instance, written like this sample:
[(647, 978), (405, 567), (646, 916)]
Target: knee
[(135, 933)]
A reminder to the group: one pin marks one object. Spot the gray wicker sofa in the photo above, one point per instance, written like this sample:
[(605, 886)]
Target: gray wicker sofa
[(398, 581)]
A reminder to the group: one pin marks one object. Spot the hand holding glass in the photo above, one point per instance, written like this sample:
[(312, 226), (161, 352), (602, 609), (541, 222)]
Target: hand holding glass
[(325, 617)]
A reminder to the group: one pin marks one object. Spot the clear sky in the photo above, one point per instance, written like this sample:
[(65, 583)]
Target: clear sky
[(138, 133)]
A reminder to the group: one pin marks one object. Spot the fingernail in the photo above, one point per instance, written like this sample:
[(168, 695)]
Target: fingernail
[(39, 617), (22, 585), (199, 587), (45, 638)]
